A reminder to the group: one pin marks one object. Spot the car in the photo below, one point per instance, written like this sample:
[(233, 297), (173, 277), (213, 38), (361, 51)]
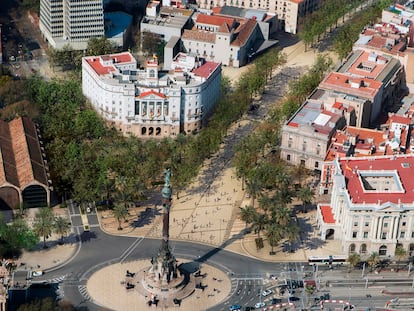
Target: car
[(275, 301), (235, 308), (37, 273), (259, 305), (266, 292), (248, 308)]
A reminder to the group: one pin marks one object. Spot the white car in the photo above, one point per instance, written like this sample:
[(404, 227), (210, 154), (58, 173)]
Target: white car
[(266, 292), (259, 305), (37, 273)]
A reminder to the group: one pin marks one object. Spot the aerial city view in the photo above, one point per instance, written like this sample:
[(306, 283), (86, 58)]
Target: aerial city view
[(206, 155)]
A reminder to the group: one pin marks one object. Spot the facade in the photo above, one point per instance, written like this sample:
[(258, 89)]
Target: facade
[(71, 22), (371, 206), (149, 103), (306, 136), (24, 177), (289, 12), (225, 39)]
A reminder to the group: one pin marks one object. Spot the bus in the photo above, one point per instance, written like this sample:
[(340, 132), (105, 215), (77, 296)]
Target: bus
[(328, 260)]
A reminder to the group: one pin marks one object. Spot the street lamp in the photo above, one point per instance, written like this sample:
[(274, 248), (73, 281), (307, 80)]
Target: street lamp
[(363, 269)]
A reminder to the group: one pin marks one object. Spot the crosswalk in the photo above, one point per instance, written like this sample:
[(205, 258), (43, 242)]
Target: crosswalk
[(57, 280), (84, 292)]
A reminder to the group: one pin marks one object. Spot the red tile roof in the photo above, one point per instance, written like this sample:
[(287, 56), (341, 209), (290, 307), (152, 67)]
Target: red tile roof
[(215, 20), (145, 94), (243, 32), (366, 88), (199, 35), (21, 161), (95, 62), (402, 166), (327, 215), (206, 69)]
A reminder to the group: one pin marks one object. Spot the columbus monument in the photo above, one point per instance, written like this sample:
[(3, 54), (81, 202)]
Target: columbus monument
[(164, 281)]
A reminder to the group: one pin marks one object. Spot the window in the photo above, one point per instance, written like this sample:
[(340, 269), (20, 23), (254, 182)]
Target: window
[(403, 224), (288, 159), (354, 234), (412, 234), (316, 164), (384, 235), (355, 224), (402, 234), (365, 235), (385, 224), (366, 224), (302, 162)]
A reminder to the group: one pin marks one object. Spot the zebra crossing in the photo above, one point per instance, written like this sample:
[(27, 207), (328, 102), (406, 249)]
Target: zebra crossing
[(84, 292), (57, 280)]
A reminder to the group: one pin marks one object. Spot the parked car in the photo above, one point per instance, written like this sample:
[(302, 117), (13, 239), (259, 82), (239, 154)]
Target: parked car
[(259, 305), (37, 273), (266, 292), (275, 301), (235, 308)]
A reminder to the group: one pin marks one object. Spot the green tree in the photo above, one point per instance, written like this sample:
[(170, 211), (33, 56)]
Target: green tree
[(43, 223), (100, 46), (400, 253), (373, 260), (61, 227), (247, 214), (274, 234), (120, 212), (292, 233), (305, 194), (353, 259), (259, 223)]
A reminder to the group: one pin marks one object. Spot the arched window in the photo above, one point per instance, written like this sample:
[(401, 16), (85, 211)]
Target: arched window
[(383, 250), (363, 249), (352, 248), (152, 73)]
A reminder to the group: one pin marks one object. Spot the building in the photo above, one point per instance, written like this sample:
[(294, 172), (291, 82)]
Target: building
[(225, 39), (24, 177), (371, 206), (71, 22), (166, 21), (150, 103), (289, 12), (378, 79), (395, 137), (307, 134)]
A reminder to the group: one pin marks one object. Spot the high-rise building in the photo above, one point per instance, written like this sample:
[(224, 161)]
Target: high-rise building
[(71, 22)]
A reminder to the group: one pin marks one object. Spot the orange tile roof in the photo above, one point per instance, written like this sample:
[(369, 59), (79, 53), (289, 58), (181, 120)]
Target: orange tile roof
[(367, 88), (364, 60), (214, 20), (327, 215), (243, 32), (199, 35), (21, 158)]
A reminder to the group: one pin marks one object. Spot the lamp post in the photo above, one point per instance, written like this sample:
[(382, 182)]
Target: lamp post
[(363, 269)]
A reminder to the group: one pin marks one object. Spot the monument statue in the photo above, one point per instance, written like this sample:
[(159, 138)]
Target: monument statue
[(164, 265)]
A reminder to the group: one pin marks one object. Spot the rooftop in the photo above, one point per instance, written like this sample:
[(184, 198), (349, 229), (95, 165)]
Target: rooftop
[(357, 86), (314, 115), (378, 180), (105, 64), (206, 69)]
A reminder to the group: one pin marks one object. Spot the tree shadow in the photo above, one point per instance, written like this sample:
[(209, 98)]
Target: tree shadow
[(87, 236), (145, 217)]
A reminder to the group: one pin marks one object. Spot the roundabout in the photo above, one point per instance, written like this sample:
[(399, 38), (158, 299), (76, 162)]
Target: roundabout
[(108, 287)]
